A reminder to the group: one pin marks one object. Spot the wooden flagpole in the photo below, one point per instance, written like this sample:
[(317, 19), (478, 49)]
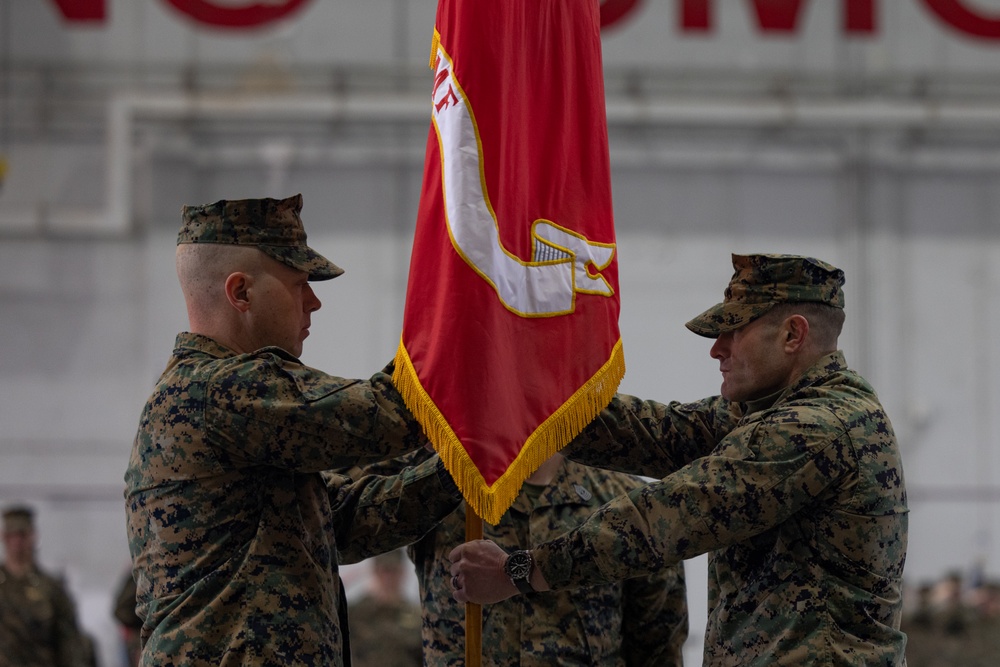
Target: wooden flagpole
[(473, 612)]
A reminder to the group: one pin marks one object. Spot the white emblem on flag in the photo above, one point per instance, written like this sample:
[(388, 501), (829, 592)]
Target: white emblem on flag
[(543, 287)]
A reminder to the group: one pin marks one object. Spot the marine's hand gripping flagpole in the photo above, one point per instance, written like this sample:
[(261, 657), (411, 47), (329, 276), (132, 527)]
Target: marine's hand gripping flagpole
[(510, 341)]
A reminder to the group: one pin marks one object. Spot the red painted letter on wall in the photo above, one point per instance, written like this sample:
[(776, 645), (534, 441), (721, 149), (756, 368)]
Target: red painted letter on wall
[(613, 11), (232, 15), (957, 15), (777, 15), (83, 10)]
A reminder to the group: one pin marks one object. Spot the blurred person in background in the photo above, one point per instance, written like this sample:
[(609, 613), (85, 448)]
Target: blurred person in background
[(385, 624), (955, 616), (128, 621), (38, 626), (235, 532), (924, 645), (954, 625), (88, 649), (984, 630)]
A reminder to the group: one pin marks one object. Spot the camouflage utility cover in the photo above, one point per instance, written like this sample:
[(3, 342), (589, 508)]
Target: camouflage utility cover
[(235, 535), (271, 225), (799, 501), (760, 282)]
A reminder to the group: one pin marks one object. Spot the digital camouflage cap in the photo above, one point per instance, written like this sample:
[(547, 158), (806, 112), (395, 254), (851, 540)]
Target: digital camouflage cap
[(762, 281), (272, 225), (18, 520)]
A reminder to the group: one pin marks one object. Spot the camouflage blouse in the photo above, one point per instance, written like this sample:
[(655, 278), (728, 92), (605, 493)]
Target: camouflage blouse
[(799, 501), (235, 534)]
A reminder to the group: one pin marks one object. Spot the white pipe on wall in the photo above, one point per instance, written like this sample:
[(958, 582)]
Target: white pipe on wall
[(834, 114)]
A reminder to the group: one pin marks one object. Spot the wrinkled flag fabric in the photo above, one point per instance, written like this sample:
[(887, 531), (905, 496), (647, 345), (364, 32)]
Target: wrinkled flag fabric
[(510, 341)]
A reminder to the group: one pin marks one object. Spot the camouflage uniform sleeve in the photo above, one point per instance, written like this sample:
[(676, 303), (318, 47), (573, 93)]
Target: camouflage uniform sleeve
[(388, 467), (378, 513), (652, 439), (756, 478), (294, 417), (655, 619)]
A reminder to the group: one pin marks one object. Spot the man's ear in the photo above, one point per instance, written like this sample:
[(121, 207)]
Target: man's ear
[(238, 290), (796, 331)]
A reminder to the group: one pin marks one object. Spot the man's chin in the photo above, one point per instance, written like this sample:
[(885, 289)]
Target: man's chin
[(724, 391), (730, 395)]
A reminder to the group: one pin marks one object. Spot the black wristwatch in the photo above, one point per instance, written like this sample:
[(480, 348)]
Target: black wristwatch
[(518, 568)]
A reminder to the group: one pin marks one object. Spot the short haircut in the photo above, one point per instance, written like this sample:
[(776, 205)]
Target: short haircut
[(825, 322)]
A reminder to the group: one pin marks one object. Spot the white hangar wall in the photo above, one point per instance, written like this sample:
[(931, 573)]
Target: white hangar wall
[(878, 153)]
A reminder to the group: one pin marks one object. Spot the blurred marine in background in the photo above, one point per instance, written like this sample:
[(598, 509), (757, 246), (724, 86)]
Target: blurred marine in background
[(385, 623), (37, 616)]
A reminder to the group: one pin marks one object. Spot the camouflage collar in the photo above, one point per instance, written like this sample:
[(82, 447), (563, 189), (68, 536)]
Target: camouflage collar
[(824, 366), (187, 341), (202, 344)]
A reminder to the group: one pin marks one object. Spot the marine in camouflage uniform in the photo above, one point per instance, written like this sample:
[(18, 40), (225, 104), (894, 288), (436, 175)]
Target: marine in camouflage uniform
[(639, 622), (796, 495), (235, 534), (385, 623), (983, 645), (37, 616)]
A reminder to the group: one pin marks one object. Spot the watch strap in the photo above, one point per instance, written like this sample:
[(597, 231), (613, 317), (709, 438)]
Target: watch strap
[(524, 585)]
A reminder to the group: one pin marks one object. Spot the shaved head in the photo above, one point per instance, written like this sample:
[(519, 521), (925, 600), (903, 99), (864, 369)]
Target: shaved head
[(825, 322), (202, 269)]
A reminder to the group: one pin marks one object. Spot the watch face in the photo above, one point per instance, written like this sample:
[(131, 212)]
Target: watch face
[(519, 565)]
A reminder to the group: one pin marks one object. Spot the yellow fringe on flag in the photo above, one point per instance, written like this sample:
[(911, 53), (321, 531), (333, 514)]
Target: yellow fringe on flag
[(490, 502), (435, 41)]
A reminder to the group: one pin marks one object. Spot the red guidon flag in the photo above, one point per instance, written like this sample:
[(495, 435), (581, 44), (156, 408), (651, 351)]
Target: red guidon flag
[(510, 341)]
